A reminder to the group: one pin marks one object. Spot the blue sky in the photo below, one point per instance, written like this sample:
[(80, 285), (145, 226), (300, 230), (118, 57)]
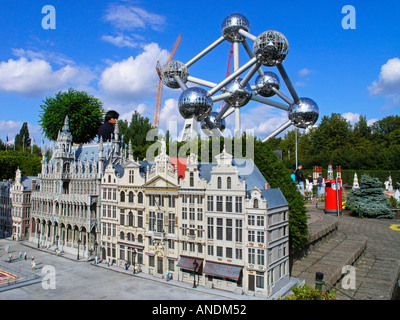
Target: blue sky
[(110, 49)]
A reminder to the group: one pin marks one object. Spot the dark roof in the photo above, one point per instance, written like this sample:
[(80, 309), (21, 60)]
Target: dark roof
[(247, 170), (274, 197)]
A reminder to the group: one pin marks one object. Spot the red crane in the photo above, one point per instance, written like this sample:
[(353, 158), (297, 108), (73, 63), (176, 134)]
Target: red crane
[(160, 83), (228, 70)]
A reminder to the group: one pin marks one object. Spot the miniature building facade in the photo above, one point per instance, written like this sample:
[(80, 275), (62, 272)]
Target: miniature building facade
[(213, 223), (21, 193)]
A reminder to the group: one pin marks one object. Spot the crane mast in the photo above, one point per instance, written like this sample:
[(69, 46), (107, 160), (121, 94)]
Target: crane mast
[(160, 83)]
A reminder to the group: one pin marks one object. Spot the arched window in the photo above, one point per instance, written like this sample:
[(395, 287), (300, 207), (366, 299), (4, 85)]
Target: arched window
[(192, 179), (131, 196), (122, 196), (140, 238), (130, 219), (122, 236), (228, 183), (140, 197), (255, 203), (219, 183)]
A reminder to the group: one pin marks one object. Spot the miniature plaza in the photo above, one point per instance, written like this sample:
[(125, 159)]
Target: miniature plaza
[(369, 242)]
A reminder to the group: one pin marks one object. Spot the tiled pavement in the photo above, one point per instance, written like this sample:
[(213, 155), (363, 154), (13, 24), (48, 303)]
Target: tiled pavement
[(368, 244)]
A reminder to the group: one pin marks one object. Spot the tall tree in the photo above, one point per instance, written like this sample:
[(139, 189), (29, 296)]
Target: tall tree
[(136, 131), (85, 113), (22, 138)]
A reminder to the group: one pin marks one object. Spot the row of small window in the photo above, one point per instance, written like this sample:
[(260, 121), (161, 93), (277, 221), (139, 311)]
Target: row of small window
[(218, 251), (21, 212), (25, 198), (228, 200), (191, 231), (128, 220), (218, 233), (192, 214)]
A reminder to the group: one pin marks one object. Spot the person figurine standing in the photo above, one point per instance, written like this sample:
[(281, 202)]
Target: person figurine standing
[(106, 130), (300, 179), (320, 181)]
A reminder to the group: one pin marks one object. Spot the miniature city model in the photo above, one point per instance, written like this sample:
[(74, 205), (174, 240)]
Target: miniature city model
[(213, 221)]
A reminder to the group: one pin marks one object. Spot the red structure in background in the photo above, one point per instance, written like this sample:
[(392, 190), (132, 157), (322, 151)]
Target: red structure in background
[(181, 164)]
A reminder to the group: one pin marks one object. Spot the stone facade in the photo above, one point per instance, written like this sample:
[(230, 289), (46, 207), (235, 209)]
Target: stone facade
[(21, 193), (215, 219), (5, 208), (65, 212), (215, 224)]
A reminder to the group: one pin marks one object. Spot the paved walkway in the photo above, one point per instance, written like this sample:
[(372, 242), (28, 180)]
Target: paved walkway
[(377, 269), (376, 272), (84, 280)]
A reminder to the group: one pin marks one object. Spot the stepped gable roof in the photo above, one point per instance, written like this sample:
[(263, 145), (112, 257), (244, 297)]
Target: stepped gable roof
[(247, 170)]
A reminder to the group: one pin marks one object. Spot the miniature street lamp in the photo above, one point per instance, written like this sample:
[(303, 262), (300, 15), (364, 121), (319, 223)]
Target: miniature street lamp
[(38, 240), (79, 242), (195, 265), (134, 260)]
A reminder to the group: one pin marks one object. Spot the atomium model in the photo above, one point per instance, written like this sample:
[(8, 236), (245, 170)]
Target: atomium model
[(270, 49), (194, 103), (303, 113), (232, 24), (239, 95), (266, 83), (213, 123), (172, 70)]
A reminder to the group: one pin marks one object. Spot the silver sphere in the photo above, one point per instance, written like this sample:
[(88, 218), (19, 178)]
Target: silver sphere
[(194, 103), (171, 69), (271, 48), (265, 84), (232, 24), (304, 113), (239, 95), (220, 124)]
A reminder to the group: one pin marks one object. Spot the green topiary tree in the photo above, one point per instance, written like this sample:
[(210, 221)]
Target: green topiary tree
[(369, 201), (278, 176), (85, 113)]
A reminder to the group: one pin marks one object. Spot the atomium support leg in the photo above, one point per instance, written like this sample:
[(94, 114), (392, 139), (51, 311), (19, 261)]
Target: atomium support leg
[(289, 85), (214, 130), (180, 82), (222, 112), (205, 51), (251, 55), (247, 35), (282, 96), (250, 74), (232, 76), (269, 102), (279, 130), (201, 82)]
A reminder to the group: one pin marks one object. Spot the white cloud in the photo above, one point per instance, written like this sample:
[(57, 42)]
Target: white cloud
[(126, 17), (389, 79), (124, 41), (261, 119), (36, 77), (304, 72), (351, 117), (170, 118), (133, 78), (53, 57)]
